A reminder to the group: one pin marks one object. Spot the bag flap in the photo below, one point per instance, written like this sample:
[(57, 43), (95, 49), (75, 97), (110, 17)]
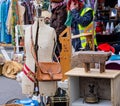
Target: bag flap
[(50, 67)]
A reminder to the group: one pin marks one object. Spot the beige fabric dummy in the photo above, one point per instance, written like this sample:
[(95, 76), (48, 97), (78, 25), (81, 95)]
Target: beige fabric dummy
[(46, 43)]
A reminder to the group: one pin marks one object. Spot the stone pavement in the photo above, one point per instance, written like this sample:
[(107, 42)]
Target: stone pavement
[(9, 89)]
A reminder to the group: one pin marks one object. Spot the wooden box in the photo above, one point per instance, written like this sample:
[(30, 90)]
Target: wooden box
[(108, 90), (59, 101)]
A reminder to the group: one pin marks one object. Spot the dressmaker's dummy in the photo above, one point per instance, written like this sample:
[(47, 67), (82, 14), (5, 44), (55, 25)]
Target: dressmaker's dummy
[(46, 39)]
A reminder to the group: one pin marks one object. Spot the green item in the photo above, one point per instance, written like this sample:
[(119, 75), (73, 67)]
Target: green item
[(69, 19)]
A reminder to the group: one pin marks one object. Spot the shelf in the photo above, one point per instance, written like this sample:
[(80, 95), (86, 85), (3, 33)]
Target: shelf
[(106, 20), (112, 38), (6, 45), (93, 73), (80, 102), (103, 10)]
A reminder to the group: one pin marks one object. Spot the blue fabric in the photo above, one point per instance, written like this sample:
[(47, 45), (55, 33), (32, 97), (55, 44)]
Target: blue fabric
[(114, 57), (4, 6), (28, 102)]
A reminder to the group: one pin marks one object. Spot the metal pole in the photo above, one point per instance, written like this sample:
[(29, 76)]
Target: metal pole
[(93, 29)]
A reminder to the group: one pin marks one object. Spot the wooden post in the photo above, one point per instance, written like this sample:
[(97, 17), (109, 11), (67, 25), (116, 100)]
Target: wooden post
[(102, 67), (87, 67), (65, 55)]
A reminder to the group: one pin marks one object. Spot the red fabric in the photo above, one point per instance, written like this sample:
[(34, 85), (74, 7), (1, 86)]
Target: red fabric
[(106, 47), (80, 4), (28, 73)]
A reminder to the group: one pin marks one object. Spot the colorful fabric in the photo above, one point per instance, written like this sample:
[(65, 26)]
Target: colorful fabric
[(4, 36), (14, 19), (29, 12), (69, 19)]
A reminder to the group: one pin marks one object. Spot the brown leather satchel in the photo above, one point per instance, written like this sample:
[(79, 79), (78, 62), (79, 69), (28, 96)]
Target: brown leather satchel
[(45, 71), (49, 71)]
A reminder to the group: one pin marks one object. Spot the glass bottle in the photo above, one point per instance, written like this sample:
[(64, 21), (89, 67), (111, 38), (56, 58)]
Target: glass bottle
[(41, 100), (107, 29), (111, 27)]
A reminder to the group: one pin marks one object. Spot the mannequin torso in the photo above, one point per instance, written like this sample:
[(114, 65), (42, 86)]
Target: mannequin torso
[(46, 40)]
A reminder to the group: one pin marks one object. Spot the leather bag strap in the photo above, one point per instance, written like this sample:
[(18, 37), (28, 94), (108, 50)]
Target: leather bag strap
[(35, 52), (34, 49)]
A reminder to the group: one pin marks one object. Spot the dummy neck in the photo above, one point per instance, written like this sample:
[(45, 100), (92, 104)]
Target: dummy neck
[(41, 21)]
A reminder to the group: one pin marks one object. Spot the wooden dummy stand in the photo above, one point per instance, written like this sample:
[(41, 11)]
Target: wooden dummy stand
[(87, 57), (66, 52)]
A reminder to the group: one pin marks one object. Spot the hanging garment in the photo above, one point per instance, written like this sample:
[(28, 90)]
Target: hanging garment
[(4, 36), (29, 12), (13, 19), (58, 18)]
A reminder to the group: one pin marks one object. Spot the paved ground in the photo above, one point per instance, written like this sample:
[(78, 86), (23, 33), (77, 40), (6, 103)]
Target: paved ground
[(9, 89)]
